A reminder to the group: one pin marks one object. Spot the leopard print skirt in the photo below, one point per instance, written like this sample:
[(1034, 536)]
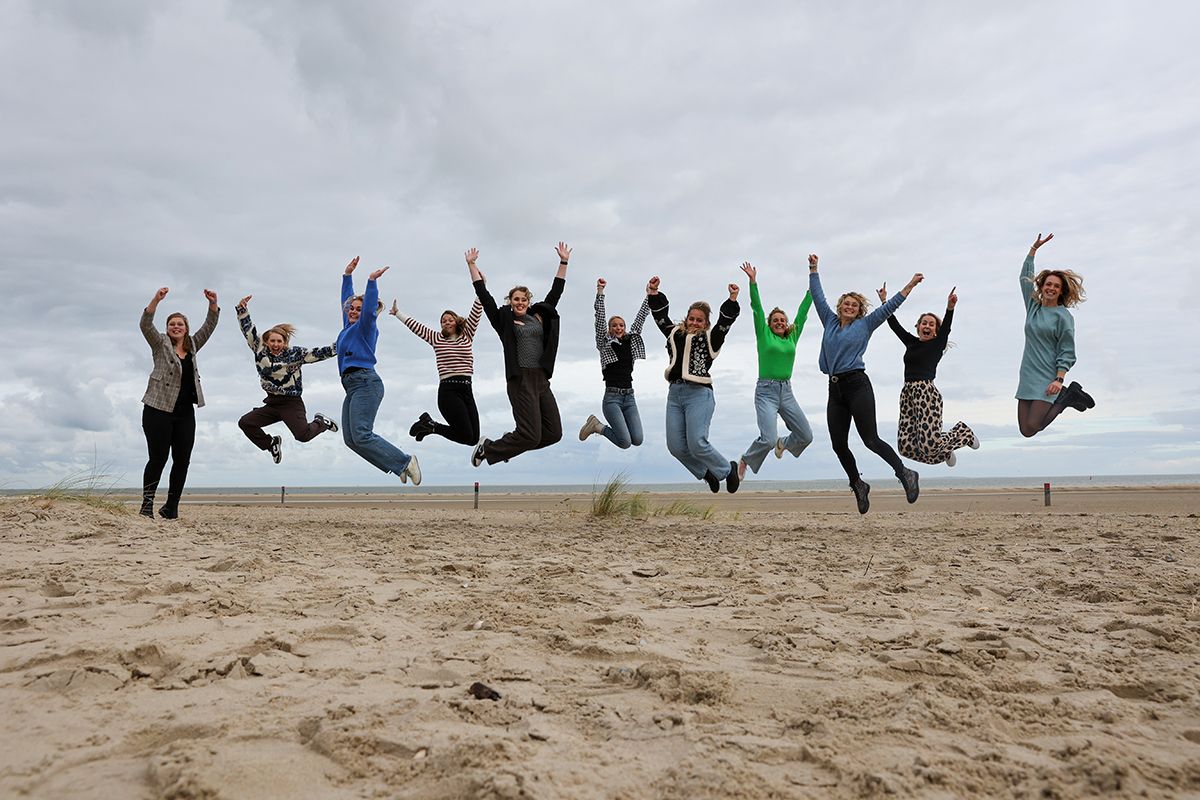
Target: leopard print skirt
[(920, 435)]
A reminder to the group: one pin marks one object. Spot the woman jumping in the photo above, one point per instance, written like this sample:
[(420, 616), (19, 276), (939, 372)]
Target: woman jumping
[(364, 388), (529, 336), (919, 433), (172, 396), (773, 398), (1049, 345), (278, 367), (690, 403), (452, 351), (618, 348), (851, 397)]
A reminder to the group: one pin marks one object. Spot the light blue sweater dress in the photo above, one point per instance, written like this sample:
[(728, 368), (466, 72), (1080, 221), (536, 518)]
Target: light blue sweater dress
[(1049, 342)]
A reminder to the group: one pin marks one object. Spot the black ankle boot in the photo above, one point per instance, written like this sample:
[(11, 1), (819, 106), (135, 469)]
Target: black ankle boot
[(422, 427), (862, 492), (147, 509), (912, 487), (170, 509)]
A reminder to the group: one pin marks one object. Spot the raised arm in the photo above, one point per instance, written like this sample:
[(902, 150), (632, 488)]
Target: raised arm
[(824, 312), (146, 323), (473, 319), (885, 310), (944, 329), (660, 308), (420, 330), (725, 318), (560, 277), (904, 336), (348, 288), (639, 320), (801, 316), (248, 330), (1027, 270), (369, 318), (756, 308), (601, 317), (210, 320)]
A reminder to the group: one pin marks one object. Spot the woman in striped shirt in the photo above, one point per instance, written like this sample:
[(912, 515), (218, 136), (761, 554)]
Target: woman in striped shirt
[(452, 349)]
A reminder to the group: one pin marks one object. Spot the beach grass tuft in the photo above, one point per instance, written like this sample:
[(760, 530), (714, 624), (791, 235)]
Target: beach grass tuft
[(90, 487), (616, 500)]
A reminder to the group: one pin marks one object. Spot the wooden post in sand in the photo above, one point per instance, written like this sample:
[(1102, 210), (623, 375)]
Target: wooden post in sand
[(283, 489), (1046, 488), (476, 495)]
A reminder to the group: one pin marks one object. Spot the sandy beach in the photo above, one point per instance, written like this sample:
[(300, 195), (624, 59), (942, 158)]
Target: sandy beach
[(977, 644)]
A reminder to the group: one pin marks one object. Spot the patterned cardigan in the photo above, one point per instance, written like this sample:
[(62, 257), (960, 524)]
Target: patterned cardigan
[(694, 352), (162, 390), (279, 374), (604, 342)]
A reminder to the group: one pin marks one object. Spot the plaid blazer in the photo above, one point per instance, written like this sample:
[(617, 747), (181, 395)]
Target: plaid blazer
[(163, 388)]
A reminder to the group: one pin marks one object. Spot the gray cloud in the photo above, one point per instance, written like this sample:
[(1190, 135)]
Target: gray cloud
[(256, 147)]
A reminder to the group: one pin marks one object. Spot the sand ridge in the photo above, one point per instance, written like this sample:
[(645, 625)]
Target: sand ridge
[(327, 652)]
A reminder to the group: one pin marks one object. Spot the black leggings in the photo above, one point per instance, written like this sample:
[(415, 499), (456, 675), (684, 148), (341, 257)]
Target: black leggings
[(852, 398), (457, 404), (172, 435)]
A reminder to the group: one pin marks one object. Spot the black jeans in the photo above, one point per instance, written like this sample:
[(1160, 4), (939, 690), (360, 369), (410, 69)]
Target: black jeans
[(852, 398), (457, 404), (287, 409), (171, 435)]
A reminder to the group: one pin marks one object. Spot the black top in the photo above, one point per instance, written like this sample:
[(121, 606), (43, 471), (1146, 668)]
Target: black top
[(502, 320), (921, 357), (619, 374), (187, 387)]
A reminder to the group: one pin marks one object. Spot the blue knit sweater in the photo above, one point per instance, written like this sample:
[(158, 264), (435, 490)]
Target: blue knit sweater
[(842, 348), (356, 343)]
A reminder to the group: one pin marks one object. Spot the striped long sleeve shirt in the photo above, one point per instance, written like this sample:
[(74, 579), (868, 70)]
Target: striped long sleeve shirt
[(453, 356)]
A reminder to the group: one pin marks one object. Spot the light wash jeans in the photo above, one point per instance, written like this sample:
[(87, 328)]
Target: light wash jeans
[(364, 393), (689, 412), (624, 427), (774, 399)]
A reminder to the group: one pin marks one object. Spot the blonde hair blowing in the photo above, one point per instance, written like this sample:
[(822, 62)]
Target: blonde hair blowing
[(286, 330), (863, 305), (460, 324), (1072, 286)]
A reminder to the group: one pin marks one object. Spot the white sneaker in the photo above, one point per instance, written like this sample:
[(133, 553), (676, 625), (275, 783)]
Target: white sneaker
[(592, 425), (951, 459), (477, 456), (780, 447), (974, 441), (412, 471)]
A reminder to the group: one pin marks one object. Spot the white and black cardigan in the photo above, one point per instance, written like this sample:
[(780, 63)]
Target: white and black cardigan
[(692, 353)]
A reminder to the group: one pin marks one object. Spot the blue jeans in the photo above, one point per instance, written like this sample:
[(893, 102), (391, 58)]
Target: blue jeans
[(624, 422), (689, 411), (774, 399), (364, 393)]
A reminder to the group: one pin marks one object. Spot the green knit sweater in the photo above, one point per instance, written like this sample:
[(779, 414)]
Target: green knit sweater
[(776, 354)]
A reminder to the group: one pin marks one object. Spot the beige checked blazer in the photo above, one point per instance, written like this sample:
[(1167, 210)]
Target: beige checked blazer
[(163, 388)]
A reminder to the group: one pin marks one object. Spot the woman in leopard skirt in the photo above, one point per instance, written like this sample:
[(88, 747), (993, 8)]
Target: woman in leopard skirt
[(919, 434)]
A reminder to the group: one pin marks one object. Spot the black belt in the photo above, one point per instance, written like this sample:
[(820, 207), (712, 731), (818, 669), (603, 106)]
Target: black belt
[(618, 389), (349, 370), (465, 379), (841, 376)]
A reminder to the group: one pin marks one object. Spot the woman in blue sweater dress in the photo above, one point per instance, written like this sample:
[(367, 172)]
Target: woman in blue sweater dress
[(847, 332), (1049, 345), (364, 388)]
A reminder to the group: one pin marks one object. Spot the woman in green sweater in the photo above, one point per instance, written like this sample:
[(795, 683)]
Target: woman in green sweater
[(773, 397)]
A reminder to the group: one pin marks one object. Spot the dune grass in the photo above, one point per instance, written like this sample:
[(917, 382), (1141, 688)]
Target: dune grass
[(616, 500), (90, 487)]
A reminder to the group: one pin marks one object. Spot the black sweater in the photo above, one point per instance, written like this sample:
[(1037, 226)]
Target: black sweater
[(921, 357), (502, 320)]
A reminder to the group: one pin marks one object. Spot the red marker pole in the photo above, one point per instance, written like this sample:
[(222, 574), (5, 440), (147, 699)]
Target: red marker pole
[(477, 495), (1046, 488)]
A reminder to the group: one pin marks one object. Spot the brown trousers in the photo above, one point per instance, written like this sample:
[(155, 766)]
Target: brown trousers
[(279, 408), (535, 413)]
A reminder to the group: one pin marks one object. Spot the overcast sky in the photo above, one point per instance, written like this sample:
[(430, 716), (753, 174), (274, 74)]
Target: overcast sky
[(255, 147)]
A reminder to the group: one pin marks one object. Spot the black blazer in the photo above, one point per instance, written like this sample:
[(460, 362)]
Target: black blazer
[(502, 319)]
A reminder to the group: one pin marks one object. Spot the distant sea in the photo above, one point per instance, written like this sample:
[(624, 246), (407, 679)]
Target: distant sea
[(1064, 481)]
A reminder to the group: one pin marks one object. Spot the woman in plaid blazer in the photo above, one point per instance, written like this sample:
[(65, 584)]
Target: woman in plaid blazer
[(172, 395)]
